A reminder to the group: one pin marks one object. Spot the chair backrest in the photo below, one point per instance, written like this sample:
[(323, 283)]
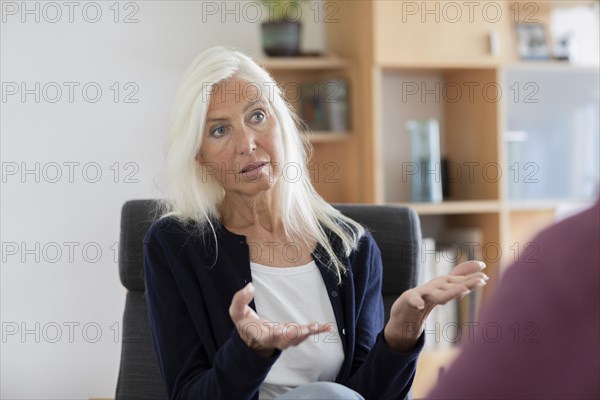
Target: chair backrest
[(396, 230)]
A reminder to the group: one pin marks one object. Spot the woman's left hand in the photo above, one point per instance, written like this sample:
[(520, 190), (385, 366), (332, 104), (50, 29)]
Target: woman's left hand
[(409, 311)]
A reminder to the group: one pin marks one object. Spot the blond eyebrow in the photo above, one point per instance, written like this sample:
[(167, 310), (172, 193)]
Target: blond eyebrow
[(248, 106)]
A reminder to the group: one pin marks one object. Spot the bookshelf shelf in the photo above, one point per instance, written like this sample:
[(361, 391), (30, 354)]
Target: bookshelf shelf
[(304, 63), (548, 205), (328, 137), (552, 66), (455, 207), (532, 205), (420, 66)]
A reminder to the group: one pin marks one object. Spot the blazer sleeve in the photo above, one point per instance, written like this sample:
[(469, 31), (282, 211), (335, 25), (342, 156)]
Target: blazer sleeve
[(186, 370), (378, 371)]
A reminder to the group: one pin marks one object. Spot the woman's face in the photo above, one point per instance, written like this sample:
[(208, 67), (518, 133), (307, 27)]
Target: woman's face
[(241, 145)]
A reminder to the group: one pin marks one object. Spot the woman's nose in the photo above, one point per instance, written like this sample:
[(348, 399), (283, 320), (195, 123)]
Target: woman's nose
[(246, 141)]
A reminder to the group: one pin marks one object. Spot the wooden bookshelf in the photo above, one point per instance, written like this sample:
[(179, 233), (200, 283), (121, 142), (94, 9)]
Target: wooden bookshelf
[(386, 50), (436, 65), (369, 35)]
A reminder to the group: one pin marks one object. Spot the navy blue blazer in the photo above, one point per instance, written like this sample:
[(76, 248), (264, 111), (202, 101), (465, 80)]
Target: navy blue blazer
[(199, 351)]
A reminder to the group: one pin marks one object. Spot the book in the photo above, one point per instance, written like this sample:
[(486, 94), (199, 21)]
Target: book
[(447, 314), (468, 242), (442, 329), (427, 273), (324, 105), (312, 107), (335, 97)]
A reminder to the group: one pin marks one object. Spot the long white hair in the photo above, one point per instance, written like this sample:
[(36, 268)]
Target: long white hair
[(191, 198)]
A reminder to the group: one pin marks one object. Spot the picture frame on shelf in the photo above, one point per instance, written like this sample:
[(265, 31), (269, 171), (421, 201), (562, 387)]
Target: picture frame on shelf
[(532, 41)]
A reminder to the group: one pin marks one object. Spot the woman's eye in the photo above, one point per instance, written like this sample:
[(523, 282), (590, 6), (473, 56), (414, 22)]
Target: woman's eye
[(217, 131), (258, 116)]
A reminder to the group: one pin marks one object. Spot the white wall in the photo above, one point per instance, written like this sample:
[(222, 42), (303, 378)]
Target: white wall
[(56, 292)]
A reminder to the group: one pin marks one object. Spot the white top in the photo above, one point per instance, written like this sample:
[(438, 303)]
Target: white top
[(297, 294)]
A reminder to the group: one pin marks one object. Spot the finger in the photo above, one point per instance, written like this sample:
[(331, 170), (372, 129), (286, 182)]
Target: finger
[(239, 304), (479, 275), (316, 328), (253, 330), (473, 282), (447, 280), (415, 300), (289, 335), (467, 282), (441, 297), (468, 267)]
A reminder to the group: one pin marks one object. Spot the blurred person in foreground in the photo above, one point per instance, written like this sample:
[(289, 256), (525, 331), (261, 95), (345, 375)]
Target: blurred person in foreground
[(543, 338), (231, 315)]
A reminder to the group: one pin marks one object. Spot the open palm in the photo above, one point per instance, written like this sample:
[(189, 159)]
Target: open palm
[(265, 336), (412, 307)]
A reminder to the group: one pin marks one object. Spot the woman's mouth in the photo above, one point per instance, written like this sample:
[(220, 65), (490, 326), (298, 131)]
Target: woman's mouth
[(253, 168)]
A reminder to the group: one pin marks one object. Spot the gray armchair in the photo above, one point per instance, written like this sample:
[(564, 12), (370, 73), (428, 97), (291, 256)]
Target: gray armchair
[(395, 229)]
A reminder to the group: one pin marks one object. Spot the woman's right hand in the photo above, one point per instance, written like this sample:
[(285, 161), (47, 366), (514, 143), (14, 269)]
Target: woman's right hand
[(264, 336)]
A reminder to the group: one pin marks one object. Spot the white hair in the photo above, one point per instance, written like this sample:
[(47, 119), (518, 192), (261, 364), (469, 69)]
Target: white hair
[(191, 198)]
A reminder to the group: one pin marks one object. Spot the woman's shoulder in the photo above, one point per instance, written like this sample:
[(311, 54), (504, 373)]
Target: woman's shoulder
[(365, 260), (360, 236), (366, 243), (172, 228), (186, 239)]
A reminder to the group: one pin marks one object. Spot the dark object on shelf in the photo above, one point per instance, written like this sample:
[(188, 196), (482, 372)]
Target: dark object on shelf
[(445, 179), (311, 53), (281, 38), (562, 47)]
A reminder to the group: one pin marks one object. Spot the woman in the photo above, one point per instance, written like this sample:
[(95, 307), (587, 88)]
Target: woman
[(234, 312)]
